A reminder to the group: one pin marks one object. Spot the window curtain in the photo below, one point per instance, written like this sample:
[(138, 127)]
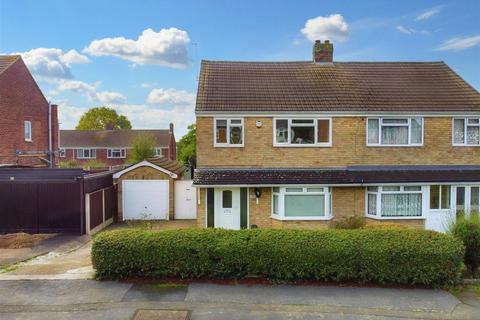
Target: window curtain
[(373, 131), (372, 204), (458, 130), (394, 135), (416, 127), (473, 135), (401, 205)]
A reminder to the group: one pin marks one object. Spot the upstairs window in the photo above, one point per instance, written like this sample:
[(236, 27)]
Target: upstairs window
[(466, 132), (86, 153), (394, 131), (116, 153), (302, 132), (27, 125), (161, 152), (228, 133)]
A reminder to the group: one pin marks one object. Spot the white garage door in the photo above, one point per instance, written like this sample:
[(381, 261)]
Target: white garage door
[(185, 200), (145, 199)]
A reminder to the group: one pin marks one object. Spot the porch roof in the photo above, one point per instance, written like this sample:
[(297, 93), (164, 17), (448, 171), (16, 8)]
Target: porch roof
[(350, 175)]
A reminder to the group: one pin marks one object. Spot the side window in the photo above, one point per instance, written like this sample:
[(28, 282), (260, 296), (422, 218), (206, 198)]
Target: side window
[(228, 132), (27, 130)]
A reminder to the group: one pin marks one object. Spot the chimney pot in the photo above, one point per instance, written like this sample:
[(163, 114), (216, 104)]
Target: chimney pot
[(171, 127), (322, 52)]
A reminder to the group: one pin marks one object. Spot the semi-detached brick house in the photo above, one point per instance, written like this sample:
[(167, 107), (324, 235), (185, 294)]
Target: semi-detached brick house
[(112, 147), (302, 144), (28, 124)]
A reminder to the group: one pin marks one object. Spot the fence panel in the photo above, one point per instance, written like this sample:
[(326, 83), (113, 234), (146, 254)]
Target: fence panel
[(96, 209), (110, 203)]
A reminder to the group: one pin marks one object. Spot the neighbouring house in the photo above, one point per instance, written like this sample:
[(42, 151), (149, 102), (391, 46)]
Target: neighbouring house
[(303, 144), (112, 147), (154, 190), (28, 122)]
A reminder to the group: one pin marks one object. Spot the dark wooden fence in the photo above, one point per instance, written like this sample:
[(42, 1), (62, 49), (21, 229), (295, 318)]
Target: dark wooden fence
[(49, 200)]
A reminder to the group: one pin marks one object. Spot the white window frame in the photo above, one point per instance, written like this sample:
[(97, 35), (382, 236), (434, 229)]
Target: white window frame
[(423, 191), (296, 145), (229, 124), (158, 151), (465, 127), (468, 196), (440, 197), (27, 134), (123, 153), (83, 153), (381, 124), (281, 202), (62, 152)]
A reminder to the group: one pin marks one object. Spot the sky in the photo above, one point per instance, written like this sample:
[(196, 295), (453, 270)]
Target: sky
[(142, 58)]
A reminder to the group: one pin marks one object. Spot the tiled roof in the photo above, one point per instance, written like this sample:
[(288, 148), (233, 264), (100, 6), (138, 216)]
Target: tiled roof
[(171, 165), (226, 86), (340, 175), (109, 138), (6, 61)]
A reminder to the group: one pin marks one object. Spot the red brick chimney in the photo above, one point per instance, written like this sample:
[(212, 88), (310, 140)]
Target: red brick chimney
[(322, 52)]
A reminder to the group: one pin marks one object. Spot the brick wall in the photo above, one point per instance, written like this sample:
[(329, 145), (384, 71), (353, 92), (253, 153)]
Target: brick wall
[(346, 201), (146, 173), (349, 147), (21, 100)]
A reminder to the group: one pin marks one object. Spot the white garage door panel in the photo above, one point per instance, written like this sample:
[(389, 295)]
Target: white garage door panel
[(145, 199), (185, 200)]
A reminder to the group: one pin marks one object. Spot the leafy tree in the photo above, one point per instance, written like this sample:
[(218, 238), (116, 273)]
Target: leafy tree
[(187, 146), (99, 118), (143, 147)]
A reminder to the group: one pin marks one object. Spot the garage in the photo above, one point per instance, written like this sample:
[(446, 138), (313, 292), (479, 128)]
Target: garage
[(145, 199), (146, 190)]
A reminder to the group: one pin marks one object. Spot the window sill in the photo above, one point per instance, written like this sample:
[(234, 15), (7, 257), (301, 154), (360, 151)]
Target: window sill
[(466, 145), (228, 145), (300, 218), (395, 218), (303, 145), (395, 145)]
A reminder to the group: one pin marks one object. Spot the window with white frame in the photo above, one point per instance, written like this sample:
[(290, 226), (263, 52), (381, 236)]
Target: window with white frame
[(440, 197), (27, 126), (86, 153), (466, 132), (467, 199), (395, 131), (229, 132), (394, 202), (303, 132), (301, 203), (116, 153), (161, 152), (62, 152)]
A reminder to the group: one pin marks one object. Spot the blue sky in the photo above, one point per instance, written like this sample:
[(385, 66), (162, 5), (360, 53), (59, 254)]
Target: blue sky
[(142, 57)]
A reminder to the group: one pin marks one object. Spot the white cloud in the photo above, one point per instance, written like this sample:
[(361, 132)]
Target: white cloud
[(69, 115), (411, 31), (51, 63), (429, 13), (333, 27), (146, 85), (90, 90), (459, 44), (171, 97), (168, 47)]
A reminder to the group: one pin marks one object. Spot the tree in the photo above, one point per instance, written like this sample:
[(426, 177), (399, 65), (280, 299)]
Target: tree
[(187, 146), (143, 147), (100, 118)]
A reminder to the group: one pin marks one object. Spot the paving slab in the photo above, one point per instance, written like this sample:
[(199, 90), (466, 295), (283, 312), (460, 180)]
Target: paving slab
[(60, 292), (385, 298), (112, 314)]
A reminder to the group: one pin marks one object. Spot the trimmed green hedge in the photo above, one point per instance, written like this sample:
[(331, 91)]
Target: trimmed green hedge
[(384, 256)]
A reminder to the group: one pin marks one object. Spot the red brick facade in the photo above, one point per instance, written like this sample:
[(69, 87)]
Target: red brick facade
[(21, 100)]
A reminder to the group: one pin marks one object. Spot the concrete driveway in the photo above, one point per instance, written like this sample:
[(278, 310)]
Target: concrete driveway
[(62, 257)]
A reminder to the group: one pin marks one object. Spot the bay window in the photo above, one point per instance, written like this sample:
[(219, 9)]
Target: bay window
[(302, 132), (394, 131), (394, 202), (301, 203), (86, 153), (116, 153), (228, 133), (466, 132)]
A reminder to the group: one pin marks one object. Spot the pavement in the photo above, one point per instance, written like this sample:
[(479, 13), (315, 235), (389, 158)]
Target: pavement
[(89, 299)]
